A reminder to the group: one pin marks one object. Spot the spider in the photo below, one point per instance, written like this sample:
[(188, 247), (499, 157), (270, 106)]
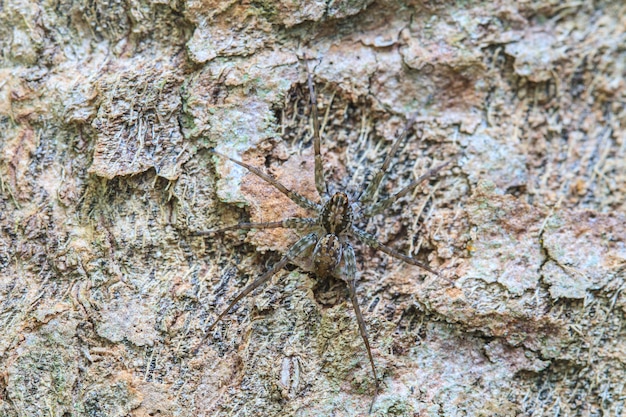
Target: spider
[(330, 228)]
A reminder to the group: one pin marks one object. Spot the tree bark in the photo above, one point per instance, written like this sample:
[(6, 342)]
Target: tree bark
[(107, 113)]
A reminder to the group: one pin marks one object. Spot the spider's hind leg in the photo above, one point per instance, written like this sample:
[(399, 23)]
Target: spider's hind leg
[(350, 263), (299, 247), (372, 242)]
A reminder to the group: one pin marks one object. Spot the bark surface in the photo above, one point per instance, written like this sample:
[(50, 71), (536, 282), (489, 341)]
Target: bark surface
[(108, 108)]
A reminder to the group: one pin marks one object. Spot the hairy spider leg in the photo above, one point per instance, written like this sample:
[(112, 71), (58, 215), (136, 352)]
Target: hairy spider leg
[(350, 262), (372, 187), (320, 181), (290, 223), (299, 199), (299, 247), (380, 206), (371, 241)]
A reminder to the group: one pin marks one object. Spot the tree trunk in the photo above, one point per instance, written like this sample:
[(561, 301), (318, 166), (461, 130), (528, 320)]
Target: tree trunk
[(109, 111)]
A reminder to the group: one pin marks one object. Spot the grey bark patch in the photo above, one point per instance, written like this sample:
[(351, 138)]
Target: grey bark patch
[(131, 320)]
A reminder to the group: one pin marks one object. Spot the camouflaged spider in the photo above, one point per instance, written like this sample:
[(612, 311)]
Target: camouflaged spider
[(331, 227)]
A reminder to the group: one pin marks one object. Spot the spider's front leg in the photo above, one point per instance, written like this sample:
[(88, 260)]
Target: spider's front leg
[(320, 182), (380, 206), (372, 187), (299, 199)]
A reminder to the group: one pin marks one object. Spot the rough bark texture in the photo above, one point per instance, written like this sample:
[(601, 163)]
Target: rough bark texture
[(107, 110)]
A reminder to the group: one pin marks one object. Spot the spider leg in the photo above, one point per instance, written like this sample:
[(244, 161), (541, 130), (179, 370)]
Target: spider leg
[(320, 182), (371, 241), (299, 199), (372, 187), (290, 223), (350, 261), (380, 206), (297, 248)]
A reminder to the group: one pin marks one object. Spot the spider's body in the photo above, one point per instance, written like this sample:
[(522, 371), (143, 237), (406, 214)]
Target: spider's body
[(335, 219), (328, 234)]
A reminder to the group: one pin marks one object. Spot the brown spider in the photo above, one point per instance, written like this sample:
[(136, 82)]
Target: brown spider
[(330, 228)]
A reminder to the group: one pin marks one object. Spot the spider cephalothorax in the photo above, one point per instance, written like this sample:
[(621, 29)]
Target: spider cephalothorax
[(327, 234), (336, 216), (335, 219)]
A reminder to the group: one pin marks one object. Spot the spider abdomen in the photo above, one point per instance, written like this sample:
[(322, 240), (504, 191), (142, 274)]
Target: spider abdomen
[(327, 254)]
